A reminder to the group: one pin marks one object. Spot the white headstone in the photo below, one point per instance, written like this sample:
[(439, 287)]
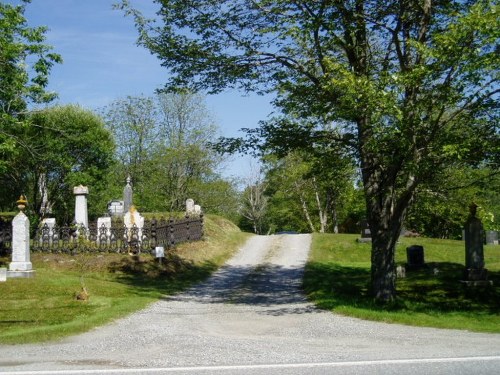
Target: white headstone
[(131, 218), (3, 274), (49, 223), (20, 244), (115, 208), (106, 222), (81, 213), (189, 206), (197, 209)]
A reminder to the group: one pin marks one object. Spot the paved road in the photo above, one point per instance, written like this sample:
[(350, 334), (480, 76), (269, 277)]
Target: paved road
[(250, 318)]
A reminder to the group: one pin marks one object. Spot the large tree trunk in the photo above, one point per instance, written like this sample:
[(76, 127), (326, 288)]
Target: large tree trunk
[(385, 230)]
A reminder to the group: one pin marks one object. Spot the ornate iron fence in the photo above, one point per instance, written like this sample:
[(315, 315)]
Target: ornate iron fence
[(116, 238)]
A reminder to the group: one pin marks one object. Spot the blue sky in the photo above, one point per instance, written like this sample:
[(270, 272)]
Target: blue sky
[(102, 64)]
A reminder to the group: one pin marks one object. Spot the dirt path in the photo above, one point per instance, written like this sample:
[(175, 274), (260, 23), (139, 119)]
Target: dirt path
[(250, 312)]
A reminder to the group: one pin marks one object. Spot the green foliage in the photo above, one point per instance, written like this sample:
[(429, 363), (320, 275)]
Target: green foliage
[(25, 64), (442, 208), (68, 146), (413, 87), (162, 143)]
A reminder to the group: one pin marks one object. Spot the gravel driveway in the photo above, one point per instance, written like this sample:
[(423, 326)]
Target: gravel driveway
[(251, 312)]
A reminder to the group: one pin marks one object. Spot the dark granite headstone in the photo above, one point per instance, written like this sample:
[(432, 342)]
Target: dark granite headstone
[(415, 257), (365, 229)]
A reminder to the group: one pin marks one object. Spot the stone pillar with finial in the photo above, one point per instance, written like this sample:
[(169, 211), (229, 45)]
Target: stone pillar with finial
[(475, 273), (21, 265)]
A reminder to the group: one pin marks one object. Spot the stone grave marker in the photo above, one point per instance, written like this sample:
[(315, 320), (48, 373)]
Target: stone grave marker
[(127, 195), (491, 237), (21, 265), (366, 234), (103, 230), (50, 223), (415, 257), (3, 274), (189, 206), (134, 221), (81, 213), (475, 273)]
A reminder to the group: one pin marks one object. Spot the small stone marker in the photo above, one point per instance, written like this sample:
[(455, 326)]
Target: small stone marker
[(189, 206), (491, 237), (81, 213), (366, 234), (197, 209), (21, 265), (415, 257), (3, 275), (115, 208)]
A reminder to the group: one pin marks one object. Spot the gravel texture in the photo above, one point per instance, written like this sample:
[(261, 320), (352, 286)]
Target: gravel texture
[(250, 312)]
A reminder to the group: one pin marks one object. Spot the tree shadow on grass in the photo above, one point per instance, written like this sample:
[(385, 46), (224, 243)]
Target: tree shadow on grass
[(436, 288), (171, 275)]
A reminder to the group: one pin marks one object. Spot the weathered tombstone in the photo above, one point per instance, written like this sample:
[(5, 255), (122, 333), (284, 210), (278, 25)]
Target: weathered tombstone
[(3, 274), (50, 224), (475, 273), (491, 237), (197, 209), (366, 234), (115, 208), (127, 195), (189, 206), (134, 223), (365, 230), (415, 257), (81, 213), (21, 265)]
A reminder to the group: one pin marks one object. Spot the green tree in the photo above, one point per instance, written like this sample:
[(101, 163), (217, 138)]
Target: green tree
[(25, 64), (312, 188), (68, 146), (162, 142), (414, 85), (442, 208)]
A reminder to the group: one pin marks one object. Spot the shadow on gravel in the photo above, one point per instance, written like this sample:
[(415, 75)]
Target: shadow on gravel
[(274, 289), (278, 288)]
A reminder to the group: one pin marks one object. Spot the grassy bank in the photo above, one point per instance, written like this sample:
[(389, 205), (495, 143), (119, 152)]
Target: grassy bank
[(46, 308), (338, 273)]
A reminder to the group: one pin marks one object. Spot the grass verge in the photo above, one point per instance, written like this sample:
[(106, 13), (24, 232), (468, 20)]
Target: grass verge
[(46, 308), (338, 273)]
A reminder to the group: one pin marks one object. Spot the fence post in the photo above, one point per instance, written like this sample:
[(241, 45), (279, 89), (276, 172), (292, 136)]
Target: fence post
[(171, 230)]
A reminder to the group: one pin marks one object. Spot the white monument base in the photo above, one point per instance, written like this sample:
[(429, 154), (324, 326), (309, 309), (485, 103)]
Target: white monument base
[(21, 274)]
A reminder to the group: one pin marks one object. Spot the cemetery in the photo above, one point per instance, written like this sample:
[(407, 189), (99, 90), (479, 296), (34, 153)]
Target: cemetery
[(383, 132)]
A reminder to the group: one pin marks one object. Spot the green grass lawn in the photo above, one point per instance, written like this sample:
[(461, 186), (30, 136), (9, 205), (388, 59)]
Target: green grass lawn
[(338, 273), (45, 307)]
